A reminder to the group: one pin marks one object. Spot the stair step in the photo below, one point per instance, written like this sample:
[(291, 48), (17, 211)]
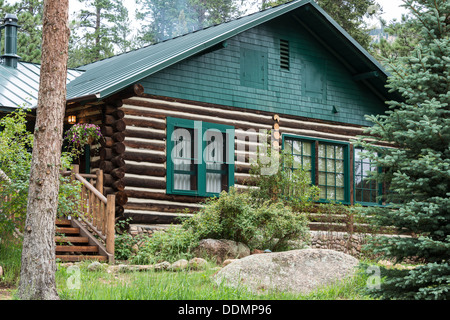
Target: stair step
[(75, 258), (64, 239), (68, 230), (62, 222), (76, 249)]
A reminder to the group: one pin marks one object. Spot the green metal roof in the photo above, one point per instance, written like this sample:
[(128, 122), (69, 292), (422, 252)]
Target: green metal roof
[(19, 86), (106, 77)]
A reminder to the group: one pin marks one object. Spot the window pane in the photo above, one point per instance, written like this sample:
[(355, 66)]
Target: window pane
[(307, 148), (339, 152), (184, 177), (340, 194), (339, 166), (330, 151), (297, 147), (214, 155), (322, 180)]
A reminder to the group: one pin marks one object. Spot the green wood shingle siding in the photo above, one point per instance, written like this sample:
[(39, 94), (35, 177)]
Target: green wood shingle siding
[(216, 77)]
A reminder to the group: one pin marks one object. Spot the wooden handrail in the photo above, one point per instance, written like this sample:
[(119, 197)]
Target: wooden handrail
[(98, 211), (91, 187)]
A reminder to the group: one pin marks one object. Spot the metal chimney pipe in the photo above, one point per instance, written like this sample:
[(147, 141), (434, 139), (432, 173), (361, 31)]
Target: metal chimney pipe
[(10, 25)]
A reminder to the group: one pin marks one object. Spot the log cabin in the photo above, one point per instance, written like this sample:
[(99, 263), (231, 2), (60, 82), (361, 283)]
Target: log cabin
[(182, 119)]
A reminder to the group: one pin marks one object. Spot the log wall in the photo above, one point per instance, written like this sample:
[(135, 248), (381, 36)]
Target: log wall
[(142, 178)]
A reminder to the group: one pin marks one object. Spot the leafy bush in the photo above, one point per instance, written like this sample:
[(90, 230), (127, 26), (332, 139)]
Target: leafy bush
[(170, 245), (237, 216), (15, 162)]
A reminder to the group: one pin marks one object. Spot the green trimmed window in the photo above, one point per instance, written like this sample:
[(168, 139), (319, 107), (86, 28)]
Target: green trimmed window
[(200, 157), (366, 191), (328, 162)]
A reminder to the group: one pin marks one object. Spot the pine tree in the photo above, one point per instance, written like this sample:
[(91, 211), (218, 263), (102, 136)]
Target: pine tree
[(100, 31), (403, 39), (417, 168), (29, 37)]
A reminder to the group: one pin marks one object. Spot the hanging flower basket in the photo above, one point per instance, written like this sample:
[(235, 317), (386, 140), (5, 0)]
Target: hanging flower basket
[(81, 134)]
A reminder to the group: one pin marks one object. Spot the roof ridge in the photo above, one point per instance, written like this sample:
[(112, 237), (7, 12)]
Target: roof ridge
[(186, 34)]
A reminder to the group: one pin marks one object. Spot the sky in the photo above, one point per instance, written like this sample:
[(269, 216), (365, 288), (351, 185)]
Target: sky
[(391, 9)]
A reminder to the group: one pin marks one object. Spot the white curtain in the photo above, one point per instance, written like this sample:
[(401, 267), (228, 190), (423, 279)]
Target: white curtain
[(181, 157), (213, 156)]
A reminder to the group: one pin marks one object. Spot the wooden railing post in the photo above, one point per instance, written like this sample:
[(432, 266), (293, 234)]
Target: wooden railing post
[(111, 219), (99, 181)]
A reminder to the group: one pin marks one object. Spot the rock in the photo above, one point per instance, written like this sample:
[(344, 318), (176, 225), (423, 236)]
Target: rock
[(221, 250), (228, 261), (256, 251), (179, 265), (197, 263), (95, 266), (161, 266), (297, 271), (1, 271)]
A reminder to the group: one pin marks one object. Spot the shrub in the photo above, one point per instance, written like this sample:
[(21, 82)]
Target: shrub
[(170, 245), (236, 216)]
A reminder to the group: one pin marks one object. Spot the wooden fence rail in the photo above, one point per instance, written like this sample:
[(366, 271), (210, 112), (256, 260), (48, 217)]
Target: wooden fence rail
[(96, 210)]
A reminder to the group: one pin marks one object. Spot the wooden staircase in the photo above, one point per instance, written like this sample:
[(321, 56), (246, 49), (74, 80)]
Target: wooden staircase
[(73, 244)]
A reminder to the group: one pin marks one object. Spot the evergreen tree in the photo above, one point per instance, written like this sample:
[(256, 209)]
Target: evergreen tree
[(29, 36), (100, 31), (417, 168), (403, 38)]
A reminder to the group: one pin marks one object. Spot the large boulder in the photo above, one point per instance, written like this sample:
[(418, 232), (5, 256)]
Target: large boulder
[(221, 250), (297, 271)]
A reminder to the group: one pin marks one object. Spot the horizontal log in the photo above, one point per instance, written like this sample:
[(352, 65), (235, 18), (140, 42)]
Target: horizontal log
[(107, 154), (147, 182), (118, 136), (118, 147), (119, 211), (115, 184), (106, 166), (107, 142), (109, 119), (144, 156), (199, 110), (117, 113), (144, 145), (119, 125), (135, 121), (237, 123), (160, 207), (145, 218), (118, 173), (118, 161), (107, 131), (145, 170), (162, 196), (121, 198), (145, 134)]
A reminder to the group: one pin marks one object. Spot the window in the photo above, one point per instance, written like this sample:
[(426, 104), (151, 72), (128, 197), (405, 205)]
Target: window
[(366, 191), (200, 157), (328, 162)]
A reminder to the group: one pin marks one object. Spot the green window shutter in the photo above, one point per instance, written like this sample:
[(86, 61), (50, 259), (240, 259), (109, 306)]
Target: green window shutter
[(315, 78), (203, 165), (253, 66), (329, 165)]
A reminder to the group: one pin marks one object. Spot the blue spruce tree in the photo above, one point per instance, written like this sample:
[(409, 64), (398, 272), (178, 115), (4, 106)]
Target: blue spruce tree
[(417, 167)]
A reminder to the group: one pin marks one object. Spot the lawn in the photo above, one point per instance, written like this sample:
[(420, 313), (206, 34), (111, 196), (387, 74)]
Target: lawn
[(81, 284)]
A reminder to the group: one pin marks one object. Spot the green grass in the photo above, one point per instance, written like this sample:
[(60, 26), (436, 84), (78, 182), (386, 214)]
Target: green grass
[(182, 285)]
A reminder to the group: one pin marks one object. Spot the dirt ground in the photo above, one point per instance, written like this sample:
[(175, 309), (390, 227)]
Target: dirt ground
[(5, 293)]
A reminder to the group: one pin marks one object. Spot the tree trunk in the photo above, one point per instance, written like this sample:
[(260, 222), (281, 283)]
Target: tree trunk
[(37, 277)]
